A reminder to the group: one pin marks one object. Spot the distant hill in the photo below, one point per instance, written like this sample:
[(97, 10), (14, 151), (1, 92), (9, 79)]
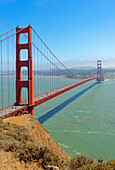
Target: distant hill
[(84, 68)]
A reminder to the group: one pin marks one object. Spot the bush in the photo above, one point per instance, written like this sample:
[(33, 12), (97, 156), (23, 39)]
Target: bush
[(100, 159), (79, 161), (43, 156)]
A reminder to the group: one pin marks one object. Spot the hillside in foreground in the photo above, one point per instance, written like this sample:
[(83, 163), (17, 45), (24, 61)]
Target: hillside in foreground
[(26, 144)]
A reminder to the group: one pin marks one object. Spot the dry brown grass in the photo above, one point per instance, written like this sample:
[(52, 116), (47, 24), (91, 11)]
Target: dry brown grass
[(9, 162)]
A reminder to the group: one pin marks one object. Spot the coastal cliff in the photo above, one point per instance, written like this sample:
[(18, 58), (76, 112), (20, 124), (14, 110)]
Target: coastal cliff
[(26, 144)]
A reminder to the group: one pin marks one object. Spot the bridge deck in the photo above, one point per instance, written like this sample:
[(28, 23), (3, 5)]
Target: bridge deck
[(38, 100)]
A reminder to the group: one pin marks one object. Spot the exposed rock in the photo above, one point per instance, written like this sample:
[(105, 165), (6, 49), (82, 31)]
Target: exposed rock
[(50, 167)]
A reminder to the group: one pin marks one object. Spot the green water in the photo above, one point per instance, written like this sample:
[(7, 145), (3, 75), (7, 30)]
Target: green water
[(84, 120), (81, 120)]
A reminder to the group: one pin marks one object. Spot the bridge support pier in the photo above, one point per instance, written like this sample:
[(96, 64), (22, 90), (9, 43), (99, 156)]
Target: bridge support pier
[(27, 63), (99, 71)]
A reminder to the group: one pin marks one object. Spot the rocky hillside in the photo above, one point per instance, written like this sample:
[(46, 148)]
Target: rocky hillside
[(25, 140)]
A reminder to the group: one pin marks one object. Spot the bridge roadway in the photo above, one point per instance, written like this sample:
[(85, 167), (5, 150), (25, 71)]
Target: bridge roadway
[(38, 100)]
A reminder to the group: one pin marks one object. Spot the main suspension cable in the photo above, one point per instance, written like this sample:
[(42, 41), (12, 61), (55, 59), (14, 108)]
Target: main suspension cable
[(8, 31), (13, 34), (53, 53)]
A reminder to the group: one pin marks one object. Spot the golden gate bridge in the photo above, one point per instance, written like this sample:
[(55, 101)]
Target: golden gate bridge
[(24, 60)]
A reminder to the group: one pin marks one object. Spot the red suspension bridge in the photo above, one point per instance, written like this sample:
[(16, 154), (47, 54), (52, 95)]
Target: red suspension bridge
[(30, 73)]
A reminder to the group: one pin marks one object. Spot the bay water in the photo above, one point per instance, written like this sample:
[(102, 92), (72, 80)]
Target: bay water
[(81, 120)]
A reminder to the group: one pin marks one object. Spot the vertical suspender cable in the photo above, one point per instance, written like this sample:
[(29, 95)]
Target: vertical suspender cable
[(34, 70), (47, 74), (44, 80), (50, 72), (42, 87), (8, 72), (36, 65), (1, 76), (37, 71), (22, 71), (25, 73), (33, 66), (12, 68)]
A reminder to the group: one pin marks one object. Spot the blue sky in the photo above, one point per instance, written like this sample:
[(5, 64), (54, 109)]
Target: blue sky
[(78, 31)]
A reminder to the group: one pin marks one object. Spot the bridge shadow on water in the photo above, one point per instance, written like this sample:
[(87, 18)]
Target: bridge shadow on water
[(52, 112)]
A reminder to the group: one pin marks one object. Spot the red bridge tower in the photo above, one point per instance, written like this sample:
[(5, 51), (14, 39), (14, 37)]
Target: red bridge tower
[(27, 63), (99, 71)]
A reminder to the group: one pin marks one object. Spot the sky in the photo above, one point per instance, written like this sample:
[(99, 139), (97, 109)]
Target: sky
[(79, 32)]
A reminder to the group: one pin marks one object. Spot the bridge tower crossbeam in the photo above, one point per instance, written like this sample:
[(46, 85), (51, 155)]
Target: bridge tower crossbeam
[(27, 63)]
